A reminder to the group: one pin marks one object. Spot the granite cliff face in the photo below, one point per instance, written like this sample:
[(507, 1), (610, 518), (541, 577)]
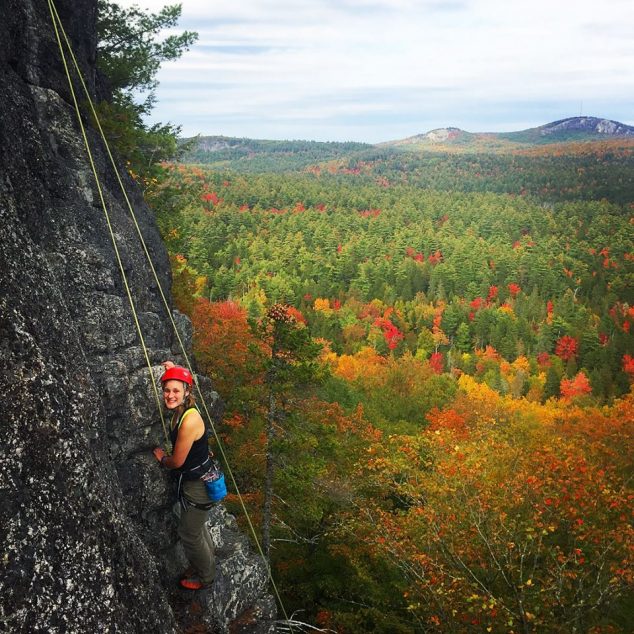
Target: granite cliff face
[(89, 540)]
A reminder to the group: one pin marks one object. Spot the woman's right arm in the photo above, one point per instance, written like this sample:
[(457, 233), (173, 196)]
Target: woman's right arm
[(191, 429)]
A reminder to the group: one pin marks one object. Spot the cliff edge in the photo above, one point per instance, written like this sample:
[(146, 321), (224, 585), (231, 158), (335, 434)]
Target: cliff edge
[(89, 541)]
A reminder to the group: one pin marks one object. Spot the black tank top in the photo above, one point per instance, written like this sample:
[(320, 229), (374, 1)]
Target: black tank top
[(198, 455)]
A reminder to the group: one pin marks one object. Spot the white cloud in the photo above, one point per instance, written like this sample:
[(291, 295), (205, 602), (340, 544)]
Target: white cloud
[(349, 64)]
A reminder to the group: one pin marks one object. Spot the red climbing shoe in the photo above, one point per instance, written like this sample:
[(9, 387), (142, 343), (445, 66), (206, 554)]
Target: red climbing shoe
[(193, 583)]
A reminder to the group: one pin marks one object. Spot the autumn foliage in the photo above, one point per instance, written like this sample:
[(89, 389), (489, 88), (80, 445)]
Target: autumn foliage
[(518, 525), (221, 339), (460, 459), (577, 386), (566, 347)]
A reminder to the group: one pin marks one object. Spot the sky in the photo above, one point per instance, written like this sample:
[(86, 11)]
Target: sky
[(381, 70)]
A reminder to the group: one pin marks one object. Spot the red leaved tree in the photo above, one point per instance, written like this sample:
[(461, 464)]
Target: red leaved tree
[(566, 347)]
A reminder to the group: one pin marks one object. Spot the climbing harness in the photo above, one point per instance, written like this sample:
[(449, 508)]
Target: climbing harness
[(59, 28), (198, 471)]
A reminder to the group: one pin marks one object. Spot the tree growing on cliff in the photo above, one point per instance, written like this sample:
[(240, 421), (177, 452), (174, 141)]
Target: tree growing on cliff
[(129, 54)]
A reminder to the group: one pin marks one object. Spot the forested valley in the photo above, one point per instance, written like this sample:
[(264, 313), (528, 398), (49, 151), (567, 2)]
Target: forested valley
[(426, 361)]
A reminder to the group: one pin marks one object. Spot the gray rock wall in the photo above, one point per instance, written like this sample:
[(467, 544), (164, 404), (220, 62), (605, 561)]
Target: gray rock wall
[(89, 541)]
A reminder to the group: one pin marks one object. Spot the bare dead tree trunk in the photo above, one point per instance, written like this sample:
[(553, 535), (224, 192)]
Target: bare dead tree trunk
[(268, 481)]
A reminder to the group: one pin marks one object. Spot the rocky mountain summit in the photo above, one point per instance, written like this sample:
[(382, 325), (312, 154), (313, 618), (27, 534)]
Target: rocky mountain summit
[(592, 125), (89, 537), (439, 135)]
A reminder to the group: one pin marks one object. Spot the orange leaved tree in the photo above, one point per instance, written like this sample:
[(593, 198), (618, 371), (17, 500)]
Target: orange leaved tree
[(222, 337)]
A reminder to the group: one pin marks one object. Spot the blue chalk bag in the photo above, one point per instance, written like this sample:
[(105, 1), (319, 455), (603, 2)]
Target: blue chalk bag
[(214, 481)]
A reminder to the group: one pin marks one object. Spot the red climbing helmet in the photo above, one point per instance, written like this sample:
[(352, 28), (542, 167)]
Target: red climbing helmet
[(178, 373)]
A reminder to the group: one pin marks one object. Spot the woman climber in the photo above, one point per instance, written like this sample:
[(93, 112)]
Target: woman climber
[(189, 460)]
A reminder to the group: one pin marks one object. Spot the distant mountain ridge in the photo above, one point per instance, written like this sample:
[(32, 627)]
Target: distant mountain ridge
[(563, 130), (246, 145), (223, 151), (253, 155)]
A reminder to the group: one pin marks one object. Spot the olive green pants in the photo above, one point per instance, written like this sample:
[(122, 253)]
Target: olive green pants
[(192, 529)]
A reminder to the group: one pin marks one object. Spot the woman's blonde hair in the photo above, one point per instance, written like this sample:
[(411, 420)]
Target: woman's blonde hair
[(189, 400)]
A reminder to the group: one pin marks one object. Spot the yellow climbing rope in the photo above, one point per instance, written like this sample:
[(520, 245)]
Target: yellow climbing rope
[(55, 18), (58, 27)]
